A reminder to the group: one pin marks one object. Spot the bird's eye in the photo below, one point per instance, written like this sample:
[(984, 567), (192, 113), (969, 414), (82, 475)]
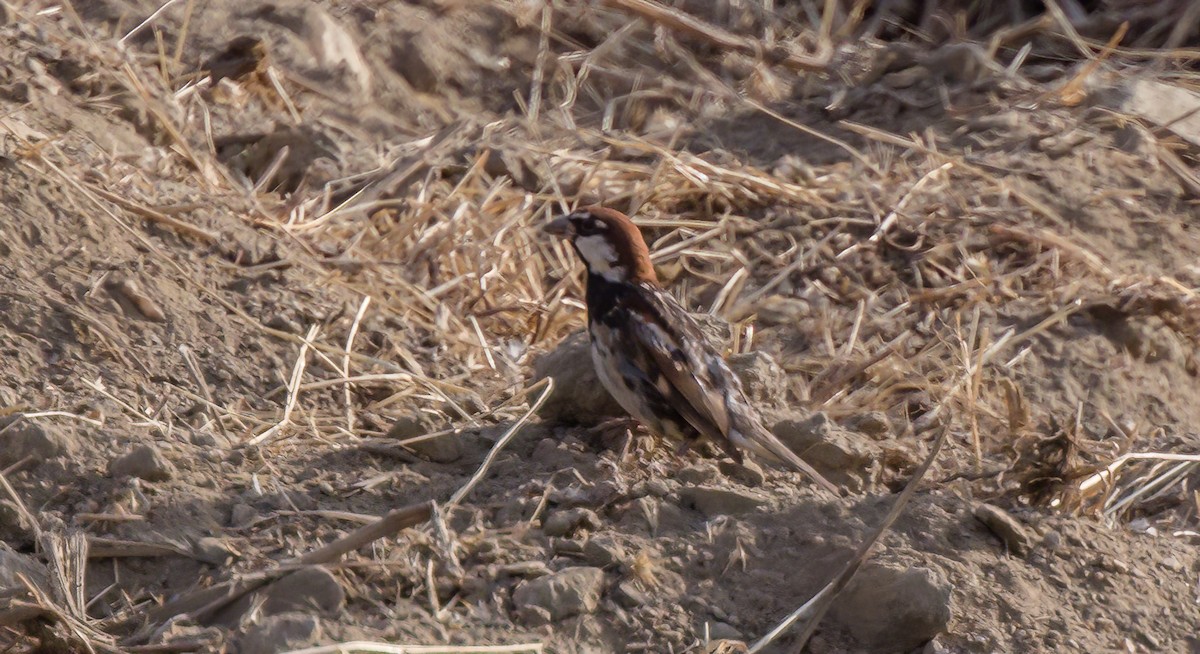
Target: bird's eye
[(589, 227)]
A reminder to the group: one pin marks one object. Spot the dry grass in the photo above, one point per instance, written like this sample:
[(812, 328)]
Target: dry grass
[(892, 260)]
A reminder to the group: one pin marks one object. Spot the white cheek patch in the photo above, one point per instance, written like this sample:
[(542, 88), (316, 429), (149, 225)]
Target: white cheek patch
[(600, 257)]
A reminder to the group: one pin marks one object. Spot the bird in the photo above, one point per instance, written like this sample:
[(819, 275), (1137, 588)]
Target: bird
[(650, 353)]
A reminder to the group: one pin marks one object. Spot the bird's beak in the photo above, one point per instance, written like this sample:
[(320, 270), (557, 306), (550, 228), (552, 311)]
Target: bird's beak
[(560, 226)]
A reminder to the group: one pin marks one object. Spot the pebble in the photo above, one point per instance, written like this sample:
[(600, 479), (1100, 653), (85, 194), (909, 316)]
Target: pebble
[(578, 397), (894, 608), (696, 475), (442, 449), (280, 633), (308, 589), (1007, 528), (29, 439), (713, 501), (845, 458), (212, 550), (747, 473), (604, 551), (242, 515), (873, 423), (629, 595), (565, 523), (572, 591), (143, 462), (718, 630)]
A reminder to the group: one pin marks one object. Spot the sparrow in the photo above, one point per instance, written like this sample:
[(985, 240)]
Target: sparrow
[(650, 353)]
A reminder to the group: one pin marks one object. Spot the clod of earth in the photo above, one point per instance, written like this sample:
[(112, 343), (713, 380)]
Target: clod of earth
[(560, 595), (578, 396), (565, 523), (845, 458), (280, 633), (889, 609), (714, 501), (1005, 526), (33, 440), (143, 462)]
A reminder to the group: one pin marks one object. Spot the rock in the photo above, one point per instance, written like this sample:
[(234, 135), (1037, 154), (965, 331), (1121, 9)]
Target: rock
[(143, 462), (242, 515), (22, 438), (441, 449), (889, 609), (14, 565), (764, 380), (569, 592), (413, 425), (714, 501), (280, 633), (718, 630), (629, 595), (843, 457), (747, 473), (564, 523), (698, 474), (578, 396), (212, 550), (522, 569), (308, 589), (603, 551), (873, 423), (1007, 528)]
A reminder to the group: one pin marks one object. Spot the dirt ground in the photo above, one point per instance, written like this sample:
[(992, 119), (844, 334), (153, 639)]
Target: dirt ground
[(270, 270)]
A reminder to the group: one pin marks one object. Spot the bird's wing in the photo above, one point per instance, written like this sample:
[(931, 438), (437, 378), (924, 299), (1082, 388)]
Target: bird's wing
[(670, 338)]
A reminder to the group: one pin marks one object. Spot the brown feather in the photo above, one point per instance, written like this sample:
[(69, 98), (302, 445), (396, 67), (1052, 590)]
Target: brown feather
[(627, 241)]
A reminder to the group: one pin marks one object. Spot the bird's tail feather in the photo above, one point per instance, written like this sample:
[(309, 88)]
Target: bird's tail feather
[(764, 443)]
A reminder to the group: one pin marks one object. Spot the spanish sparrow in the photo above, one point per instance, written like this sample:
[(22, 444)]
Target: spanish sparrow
[(649, 351)]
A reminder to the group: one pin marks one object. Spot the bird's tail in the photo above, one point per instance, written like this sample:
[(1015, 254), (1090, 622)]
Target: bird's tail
[(764, 443)]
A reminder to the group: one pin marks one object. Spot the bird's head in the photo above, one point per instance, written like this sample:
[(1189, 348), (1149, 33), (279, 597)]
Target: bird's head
[(608, 242)]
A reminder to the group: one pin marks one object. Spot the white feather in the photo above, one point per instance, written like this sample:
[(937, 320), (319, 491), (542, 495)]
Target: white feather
[(600, 257)]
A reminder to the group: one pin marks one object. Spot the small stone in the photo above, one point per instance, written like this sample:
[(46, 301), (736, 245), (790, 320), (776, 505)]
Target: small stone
[(534, 616), (695, 475), (658, 488), (714, 501), (873, 423), (747, 472), (843, 457), (566, 547), (213, 551), (280, 633), (894, 609), (629, 595), (143, 462), (1052, 540), (718, 630), (412, 426), (762, 377), (29, 439), (242, 515), (469, 402), (1008, 529), (308, 589), (572, 591), (523, 569), (14, 566), (603, 551), (440, 449), (565, 523), (578, 397)]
